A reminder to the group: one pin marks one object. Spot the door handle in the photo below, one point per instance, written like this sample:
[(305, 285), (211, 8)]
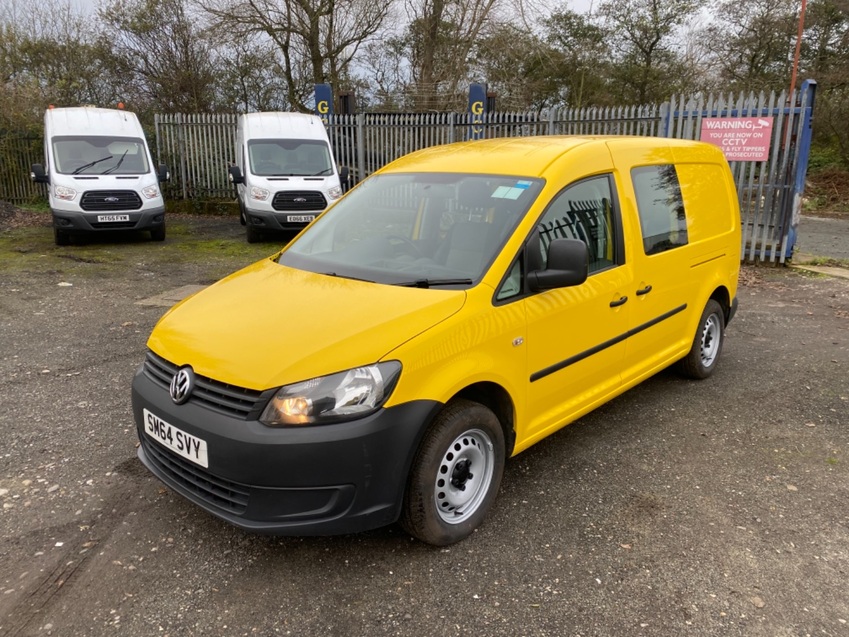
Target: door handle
[(621, 301), (644, 290)]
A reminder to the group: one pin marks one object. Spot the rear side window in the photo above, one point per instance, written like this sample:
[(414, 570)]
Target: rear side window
[(660, 207)]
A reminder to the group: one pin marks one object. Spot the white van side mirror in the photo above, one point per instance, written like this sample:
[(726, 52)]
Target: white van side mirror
[(162, 173), (38, 175), (235, 175), (344, 174)]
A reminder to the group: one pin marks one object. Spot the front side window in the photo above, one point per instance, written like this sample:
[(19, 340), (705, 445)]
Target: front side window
[(289, 157), (582, 211), (425, 229), (661, 208), (96, 155)]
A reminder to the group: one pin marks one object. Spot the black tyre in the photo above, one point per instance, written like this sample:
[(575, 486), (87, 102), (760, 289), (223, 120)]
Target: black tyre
[(61, 238), (158, 234), (455, 475), (253, 235), (243, 218), (703, 357)]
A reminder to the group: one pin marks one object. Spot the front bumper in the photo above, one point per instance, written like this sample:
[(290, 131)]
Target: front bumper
[(73, 221), (279, 221), (316, 480)]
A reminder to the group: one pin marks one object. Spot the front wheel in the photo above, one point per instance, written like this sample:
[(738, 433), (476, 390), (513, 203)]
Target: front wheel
[(158, 234), (703, 356), (61, 238), (456, 474), (252, 234)]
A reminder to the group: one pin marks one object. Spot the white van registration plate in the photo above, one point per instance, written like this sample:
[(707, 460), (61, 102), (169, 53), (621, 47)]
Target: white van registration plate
[(177, 440), (300, 218), (108, 218)]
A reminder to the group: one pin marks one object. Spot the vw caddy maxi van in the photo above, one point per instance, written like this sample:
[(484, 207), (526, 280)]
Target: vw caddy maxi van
[(284, 173), (456, 307), (100, 173)]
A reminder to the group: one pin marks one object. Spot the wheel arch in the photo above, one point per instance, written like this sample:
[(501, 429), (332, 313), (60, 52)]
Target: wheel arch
[(498, 400)]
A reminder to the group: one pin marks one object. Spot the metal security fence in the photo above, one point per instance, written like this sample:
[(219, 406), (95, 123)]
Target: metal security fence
[(17, 155), (770, 192), (198, 149)]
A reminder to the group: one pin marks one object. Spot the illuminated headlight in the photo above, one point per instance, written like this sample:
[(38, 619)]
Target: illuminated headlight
[(334, 193), (343, 396), (150, 192), (260, 194), (63, 192)]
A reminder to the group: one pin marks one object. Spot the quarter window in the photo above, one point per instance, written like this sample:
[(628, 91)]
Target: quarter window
[(582, 211), (661, 208)]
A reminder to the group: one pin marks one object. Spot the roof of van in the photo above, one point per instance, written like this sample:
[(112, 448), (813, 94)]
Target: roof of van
[(87, 120), (525, 155), (274, 124)]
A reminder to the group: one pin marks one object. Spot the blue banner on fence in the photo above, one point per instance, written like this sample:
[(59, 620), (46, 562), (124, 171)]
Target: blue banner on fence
[(477, 110), (324, 102)]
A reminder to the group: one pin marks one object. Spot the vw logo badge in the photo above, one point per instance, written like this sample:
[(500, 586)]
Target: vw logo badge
[(182, 385)]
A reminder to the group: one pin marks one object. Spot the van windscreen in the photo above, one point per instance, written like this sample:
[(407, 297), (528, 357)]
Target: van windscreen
[(289, 158), (99, 155)]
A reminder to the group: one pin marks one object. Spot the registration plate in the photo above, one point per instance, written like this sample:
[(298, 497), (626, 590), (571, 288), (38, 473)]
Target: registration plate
[(108, 218), (177, 440), (300, 218)]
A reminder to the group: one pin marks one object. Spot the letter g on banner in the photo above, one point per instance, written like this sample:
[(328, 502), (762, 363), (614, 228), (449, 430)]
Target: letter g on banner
[(477, 111), (324, 102)]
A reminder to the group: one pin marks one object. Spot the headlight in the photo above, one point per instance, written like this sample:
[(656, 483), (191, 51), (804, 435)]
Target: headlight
[(334, 193), (343, 396), (259, 193), (63, 192), (150, 192)]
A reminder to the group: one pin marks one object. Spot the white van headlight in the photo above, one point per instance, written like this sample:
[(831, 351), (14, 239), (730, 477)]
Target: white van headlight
[(334, 193), (63, 192), (351, 394), (260, 194), (150, 192)]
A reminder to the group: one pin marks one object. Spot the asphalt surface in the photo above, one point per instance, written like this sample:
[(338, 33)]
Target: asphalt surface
[(718, 507)]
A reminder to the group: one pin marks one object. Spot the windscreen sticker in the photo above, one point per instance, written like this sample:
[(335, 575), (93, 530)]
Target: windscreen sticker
[(505, 192)]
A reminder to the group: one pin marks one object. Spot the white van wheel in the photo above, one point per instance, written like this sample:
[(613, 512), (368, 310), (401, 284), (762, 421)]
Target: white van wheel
[(61, 238), (456, 474), (704, 353), (253, 235)]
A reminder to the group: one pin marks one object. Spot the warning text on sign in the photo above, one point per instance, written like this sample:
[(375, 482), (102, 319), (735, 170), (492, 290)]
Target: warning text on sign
[(740, 138)]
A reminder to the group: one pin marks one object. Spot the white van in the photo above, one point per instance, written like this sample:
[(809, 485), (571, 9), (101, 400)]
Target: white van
[(100, 173), (284, 172)]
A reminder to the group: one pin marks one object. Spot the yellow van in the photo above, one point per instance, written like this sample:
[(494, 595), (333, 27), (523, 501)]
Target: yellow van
[(461, 304)]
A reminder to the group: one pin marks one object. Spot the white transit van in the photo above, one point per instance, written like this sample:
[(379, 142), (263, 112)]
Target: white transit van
[(100, 173), (284, 172)]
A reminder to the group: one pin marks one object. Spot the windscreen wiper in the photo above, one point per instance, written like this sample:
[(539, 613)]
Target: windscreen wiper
[(117, 164), (429, 283), (345, 276), (90, 164)]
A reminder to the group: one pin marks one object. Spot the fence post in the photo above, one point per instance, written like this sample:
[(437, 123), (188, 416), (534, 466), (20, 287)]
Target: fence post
[(361, 146), (803, 150)]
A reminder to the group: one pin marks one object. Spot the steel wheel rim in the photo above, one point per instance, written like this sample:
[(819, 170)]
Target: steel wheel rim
[(464, 476), (711, 334)]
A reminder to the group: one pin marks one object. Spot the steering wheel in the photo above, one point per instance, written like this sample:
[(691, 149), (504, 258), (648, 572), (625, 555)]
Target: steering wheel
[(397, 241)]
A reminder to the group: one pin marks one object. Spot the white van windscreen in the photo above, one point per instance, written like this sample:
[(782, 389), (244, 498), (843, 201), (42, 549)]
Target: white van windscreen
[(289, 157), (96, 155)]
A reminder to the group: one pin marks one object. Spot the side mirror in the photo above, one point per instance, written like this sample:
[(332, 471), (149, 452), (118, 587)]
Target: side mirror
[(38, 175), (162, 173), (568, 265), (344, 174), (235, 175)]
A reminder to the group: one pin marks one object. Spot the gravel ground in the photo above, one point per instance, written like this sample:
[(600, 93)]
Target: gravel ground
[(681, 508)]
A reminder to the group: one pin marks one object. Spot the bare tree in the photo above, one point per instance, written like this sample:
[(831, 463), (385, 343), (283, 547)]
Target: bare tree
[(316, 40)]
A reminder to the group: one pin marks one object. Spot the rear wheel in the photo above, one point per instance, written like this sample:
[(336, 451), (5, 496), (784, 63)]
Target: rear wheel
[(456, 474), (61, 238), (702, 359)]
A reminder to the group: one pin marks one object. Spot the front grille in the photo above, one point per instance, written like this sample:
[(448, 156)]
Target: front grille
[(224, 398), (223, 494), (113, 225), (108, 200), (299, 200)]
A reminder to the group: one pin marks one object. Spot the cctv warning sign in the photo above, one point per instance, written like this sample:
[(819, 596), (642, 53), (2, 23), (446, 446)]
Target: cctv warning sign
[(740, 138)]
